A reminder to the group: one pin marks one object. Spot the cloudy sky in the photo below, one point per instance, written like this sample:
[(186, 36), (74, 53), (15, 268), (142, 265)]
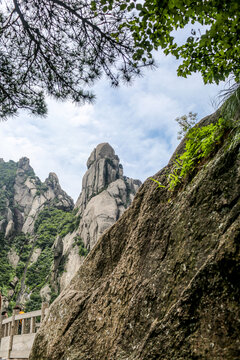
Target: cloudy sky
[(137, 120)]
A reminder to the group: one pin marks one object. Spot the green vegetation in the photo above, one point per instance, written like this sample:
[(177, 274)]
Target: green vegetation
[(65, 65), (123, 33), (7, 272), (213, 51), (7, 174), (158, 183), (37, 273), (20, 243), (34, 303), (7, 179), (52, 222), (201, 143), (41, 187), (82, 250)]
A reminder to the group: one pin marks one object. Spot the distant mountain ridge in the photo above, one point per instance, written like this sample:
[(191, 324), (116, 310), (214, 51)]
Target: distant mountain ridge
[(44, 238)]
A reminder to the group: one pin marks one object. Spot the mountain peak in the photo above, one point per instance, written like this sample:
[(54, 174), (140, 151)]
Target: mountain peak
[(52, 180), (102, 151), (24, 164), (103, 169)]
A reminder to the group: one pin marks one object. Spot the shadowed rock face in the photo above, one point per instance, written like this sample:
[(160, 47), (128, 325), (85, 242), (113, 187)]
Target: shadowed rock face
[(163, 282)]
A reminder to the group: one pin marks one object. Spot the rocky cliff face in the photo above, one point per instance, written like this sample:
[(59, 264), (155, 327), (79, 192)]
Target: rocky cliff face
[(105, 195), (43, 240), (27, 198), (163, 282), (23, 197)]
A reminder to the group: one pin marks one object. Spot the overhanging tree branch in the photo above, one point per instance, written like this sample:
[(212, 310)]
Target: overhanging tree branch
[(61, 48)]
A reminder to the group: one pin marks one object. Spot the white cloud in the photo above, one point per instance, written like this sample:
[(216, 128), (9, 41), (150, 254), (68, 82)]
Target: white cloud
[(138, 121)]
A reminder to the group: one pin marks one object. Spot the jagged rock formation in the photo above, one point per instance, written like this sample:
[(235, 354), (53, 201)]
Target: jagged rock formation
[(105, 195), (163, 282), (43, 240), (27, 198), (31, 195), (22, 198), (103, 168)]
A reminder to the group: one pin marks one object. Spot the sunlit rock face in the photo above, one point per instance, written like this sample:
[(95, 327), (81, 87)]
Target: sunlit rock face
[(23, 196), (106, 194), (104, 169), (27, 198), (39, 229), (30, 195), (163, 281)]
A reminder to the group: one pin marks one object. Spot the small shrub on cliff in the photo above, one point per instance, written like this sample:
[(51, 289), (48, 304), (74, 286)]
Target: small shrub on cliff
[(37, 273), (34, 303), (51, 222), (200, 143), (7, 271), (82, 250)]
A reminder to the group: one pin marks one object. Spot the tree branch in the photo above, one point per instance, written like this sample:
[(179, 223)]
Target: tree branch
[(87, 22)]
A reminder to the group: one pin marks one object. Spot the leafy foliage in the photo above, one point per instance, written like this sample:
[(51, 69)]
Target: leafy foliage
[(7, 179), (6, 269), (34, 303), (51, 222), (37, 273), (82, 250), (201, 142), (20, 243), (57, 48), (158, 183), (61, 48), (214, 53), (41, 187)]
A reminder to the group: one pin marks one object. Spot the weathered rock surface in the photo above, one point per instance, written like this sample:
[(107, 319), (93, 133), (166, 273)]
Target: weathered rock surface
[(103, 169), (103, 210), (22, 198), (163, 282), (29, 196), (105, 195), (56, 247)]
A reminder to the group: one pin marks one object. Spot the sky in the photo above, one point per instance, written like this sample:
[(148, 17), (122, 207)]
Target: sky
[(138, 121)]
